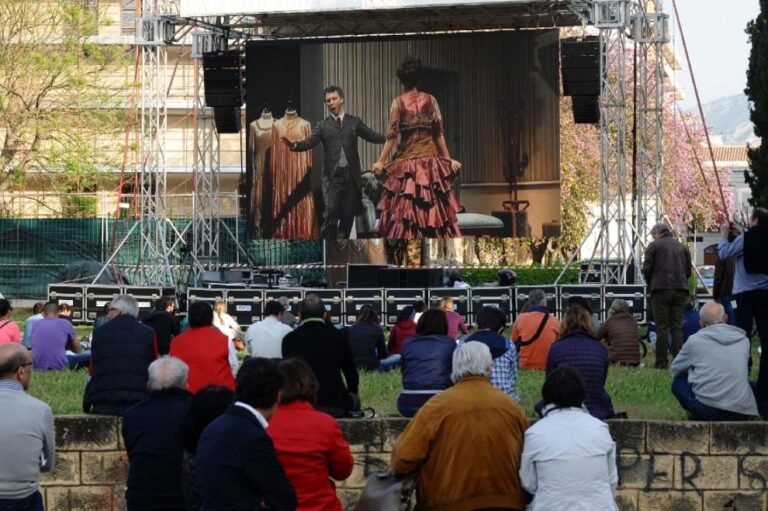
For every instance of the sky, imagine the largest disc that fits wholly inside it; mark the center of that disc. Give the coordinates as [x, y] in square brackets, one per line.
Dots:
[718, 46]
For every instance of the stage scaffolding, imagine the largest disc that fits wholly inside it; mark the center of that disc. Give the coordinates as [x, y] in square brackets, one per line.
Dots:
[621, 235]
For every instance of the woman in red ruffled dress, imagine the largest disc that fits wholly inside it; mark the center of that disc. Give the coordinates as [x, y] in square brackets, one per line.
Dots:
[418, 199]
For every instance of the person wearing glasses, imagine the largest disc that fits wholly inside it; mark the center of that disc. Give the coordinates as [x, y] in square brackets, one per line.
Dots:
[26, 435]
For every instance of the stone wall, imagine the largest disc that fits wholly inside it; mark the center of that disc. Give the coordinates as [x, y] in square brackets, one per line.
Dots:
[670, 466]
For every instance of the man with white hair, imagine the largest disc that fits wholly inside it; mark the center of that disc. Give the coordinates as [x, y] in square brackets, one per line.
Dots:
[465, 443]
[121, 352]
[711, 371]
[151, 437]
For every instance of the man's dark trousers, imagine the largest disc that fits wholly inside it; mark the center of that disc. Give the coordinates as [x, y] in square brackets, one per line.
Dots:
[667, 306]
[342, 202]
[683, 391]
[754, 305]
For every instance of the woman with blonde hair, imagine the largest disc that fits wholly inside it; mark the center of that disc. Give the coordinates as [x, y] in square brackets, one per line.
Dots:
[578, 347]
[455, 321]
[619, 332]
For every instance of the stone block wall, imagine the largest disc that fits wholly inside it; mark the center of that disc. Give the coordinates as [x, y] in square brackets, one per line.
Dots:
[669, 466]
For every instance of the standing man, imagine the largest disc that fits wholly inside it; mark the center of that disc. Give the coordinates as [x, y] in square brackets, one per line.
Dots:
[666, 269]
[750, 288]
[342, 188]
[27, 444]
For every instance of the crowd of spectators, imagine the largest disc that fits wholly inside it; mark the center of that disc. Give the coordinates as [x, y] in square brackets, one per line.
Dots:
[205, 431]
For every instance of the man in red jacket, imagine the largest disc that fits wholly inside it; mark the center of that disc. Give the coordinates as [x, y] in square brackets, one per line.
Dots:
[210, 355]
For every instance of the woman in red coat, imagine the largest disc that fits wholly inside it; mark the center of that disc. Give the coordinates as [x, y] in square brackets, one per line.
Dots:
[309, 444]
[403, 328]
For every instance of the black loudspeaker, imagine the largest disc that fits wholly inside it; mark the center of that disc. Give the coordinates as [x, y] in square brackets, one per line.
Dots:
[227, 119]
[223, 76]
[364, 275]
[520, 220]
[423, 277]
[580, 68]
[389, 278]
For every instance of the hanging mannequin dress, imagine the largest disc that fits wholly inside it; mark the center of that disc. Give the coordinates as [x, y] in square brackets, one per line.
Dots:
[418, 199]
[293, 206]
[261, 142]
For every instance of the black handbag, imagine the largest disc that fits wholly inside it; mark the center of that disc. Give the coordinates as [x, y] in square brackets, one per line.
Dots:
[384, 491]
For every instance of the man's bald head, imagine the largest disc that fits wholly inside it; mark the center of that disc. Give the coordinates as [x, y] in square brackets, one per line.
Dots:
[12, 356]
[712, 314]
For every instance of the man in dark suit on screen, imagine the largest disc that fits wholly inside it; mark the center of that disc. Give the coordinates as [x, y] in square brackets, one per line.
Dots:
[342, 188]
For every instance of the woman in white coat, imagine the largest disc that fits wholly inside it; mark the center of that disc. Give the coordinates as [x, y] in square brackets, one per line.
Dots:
[569, 457]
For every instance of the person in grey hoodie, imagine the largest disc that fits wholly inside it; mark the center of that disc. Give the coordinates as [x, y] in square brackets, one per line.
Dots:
[711, 372]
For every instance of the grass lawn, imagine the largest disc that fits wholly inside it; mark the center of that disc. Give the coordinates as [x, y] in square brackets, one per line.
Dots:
[643, 393]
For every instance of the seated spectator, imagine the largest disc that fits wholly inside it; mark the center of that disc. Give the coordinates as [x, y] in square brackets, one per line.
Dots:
[691, 320]
[27, 445]
[419, 308]
[711, 374]
[404, 328]
[288, 317]
[37, 315]
[621, 335]
[578, 347]
[491, 322]
[587, 305]
[226, 324]
[455, 321]
[569, 457]
[151, 437]
[425, 362]
[366, 339]
[9, 330]
[312, 456]
[534, 332]
[265, 338]
[65, 311]
[237, 467]
[103, 317]
[205, 406]
[465, 443]
[52, 338]
[327, 351]
[210, 355]
[164, 323]
[121, 352]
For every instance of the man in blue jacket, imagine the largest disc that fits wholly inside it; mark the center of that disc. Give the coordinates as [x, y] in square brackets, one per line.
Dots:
[237, 466]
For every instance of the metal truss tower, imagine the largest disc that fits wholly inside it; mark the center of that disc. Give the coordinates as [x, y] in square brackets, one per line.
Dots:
[206, 161]
[650, 33]
[152, 33]
[611, 17]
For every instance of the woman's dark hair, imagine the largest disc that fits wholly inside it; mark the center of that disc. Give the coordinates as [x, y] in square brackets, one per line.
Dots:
[200, 314]
[564, 388]
[37, 308]
[300, 382]
[409, 72]
[368, 315]
[258, 383]
[761, 215]
[205, 406]
[432, 322]
[581, 302]
[420, 306]
[5, 307]
[491, 318]
[405, 313]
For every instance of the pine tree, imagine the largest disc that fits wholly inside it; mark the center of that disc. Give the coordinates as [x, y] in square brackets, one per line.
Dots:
[757, 91]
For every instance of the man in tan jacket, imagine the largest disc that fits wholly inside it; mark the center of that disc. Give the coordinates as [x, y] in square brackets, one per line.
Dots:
[466, 442]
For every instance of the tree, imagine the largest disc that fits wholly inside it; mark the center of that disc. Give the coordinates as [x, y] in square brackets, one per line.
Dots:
[757, 92]
[58, 112]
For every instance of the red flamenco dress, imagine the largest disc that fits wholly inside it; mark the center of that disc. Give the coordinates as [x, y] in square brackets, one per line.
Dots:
[418, 199]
